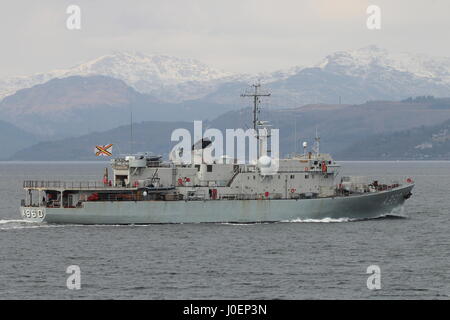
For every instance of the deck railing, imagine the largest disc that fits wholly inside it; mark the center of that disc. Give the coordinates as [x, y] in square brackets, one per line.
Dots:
[66, 184]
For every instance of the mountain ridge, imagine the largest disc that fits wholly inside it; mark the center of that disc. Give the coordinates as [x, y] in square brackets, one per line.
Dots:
[13, 139]
[173, 79]
[73, 105]
[340, 127]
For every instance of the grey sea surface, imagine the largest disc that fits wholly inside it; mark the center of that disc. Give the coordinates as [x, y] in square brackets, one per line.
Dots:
[325, 259]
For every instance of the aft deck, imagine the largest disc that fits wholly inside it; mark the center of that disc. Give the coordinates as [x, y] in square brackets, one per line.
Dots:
[42, 185]
[72, 194]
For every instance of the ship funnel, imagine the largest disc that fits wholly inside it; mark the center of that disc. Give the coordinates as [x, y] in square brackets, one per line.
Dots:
[202, 144]
[198, 149]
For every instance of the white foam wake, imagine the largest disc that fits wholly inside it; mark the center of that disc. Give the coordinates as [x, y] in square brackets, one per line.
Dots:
[324, 220]
[10, 224]
[14, 221]
[243, 223]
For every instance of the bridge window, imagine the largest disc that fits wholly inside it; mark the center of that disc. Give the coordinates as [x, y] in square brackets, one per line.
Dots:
[209, 168]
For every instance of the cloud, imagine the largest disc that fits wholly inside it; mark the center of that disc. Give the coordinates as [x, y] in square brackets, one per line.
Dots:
[237, 35]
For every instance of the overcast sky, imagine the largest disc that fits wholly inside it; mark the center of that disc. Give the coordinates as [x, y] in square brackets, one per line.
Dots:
[233, 35]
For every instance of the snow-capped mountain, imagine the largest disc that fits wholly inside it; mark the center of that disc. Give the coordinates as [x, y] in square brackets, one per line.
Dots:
[364, 61]
[165, 77]
[369, 73]
[352, 77]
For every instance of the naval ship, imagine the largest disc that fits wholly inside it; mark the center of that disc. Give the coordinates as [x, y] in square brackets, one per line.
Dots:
[145, 189]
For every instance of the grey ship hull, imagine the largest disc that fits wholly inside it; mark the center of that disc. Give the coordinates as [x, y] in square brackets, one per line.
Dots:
[365, 206]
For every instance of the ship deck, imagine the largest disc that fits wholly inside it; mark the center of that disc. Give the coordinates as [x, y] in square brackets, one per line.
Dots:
[73, 186]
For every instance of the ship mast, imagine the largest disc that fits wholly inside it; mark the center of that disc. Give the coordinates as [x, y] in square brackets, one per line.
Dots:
[261, 141]
[256, 104]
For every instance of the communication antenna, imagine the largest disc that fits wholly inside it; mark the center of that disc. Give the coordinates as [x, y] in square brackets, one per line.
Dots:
[317, 143]
[131, 130]
[295, 136]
